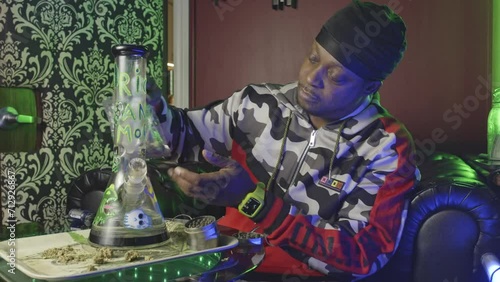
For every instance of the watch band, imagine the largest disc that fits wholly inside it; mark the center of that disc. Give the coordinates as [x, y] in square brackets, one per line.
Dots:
[254, 201]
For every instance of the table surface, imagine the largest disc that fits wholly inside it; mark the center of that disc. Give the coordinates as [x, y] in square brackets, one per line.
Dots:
[232, 264]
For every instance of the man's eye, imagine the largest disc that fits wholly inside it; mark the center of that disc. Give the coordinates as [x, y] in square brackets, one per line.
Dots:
[334, 77]
[313, 59]
[336, 80]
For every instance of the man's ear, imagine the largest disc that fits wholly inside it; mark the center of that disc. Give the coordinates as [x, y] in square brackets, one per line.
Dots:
[372, 87]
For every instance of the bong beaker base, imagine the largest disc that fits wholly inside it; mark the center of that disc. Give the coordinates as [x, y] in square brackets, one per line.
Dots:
[107, 237]
[129, 215]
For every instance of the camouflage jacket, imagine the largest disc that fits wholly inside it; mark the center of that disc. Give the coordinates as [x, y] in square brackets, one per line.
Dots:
[347, 218]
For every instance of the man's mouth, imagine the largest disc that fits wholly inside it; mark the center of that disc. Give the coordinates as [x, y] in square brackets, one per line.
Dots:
[307, 93]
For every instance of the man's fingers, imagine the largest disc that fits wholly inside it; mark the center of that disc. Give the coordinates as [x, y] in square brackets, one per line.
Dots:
[183, 184]
[204, 186]
[217, 159]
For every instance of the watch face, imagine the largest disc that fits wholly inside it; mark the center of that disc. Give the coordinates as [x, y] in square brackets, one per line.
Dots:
[250, 206]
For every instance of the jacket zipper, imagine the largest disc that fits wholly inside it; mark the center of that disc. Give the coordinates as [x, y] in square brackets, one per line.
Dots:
[312, 142]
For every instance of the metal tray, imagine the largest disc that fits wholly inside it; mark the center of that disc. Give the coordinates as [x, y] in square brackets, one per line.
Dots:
[28, 255]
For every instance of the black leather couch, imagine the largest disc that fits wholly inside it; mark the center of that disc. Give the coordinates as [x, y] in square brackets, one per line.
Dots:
[453, 219]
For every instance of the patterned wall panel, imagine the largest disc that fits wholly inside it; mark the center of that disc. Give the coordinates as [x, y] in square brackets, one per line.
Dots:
[63, 48]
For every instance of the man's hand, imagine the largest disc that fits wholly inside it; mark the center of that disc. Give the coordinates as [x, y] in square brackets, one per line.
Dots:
[153, 92]
[155, 99]
[225, 187]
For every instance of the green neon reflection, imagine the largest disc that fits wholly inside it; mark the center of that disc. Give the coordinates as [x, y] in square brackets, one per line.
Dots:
[166, 271]
[495, 48]
[494, 114]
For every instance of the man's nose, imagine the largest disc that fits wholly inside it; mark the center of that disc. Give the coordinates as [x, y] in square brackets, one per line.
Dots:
[314, 77]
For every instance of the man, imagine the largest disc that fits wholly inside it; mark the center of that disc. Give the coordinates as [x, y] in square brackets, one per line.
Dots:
[318, 166]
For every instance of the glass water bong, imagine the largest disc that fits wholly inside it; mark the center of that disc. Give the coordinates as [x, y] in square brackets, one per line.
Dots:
[129, 214]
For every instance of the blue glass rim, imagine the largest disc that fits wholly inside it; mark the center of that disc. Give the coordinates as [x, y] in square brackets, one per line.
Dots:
[129, 50]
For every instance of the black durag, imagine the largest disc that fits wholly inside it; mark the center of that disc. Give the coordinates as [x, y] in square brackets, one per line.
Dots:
[367, 38]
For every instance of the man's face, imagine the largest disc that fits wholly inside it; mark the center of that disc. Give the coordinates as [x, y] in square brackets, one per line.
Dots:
[327, 90]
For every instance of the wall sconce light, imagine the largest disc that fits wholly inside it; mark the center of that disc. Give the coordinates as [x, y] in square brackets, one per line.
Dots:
[21, 128]
[279, 4]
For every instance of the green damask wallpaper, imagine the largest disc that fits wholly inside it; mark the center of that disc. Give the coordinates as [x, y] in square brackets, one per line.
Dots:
[63, 48]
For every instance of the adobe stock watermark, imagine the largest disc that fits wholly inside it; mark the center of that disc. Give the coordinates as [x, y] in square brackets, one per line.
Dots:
[372, 29]
[224, 6]
[11, 219]
[454, 116]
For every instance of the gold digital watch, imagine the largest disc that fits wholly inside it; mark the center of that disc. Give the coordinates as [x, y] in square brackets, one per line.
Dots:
[253, 202]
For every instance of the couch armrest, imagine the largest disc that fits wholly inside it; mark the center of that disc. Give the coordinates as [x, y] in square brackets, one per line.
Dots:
[449, 227]
[453, 219]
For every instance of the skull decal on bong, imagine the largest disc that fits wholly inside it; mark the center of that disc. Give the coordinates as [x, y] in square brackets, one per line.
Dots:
[137, 219]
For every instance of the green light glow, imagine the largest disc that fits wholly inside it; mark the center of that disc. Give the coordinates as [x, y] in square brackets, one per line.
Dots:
[494, 114]
[495, 48]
